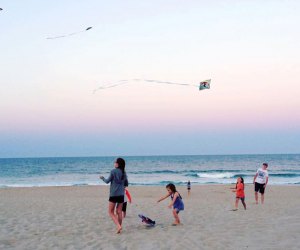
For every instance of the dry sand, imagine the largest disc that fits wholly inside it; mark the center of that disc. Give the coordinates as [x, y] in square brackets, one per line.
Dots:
[76, 218]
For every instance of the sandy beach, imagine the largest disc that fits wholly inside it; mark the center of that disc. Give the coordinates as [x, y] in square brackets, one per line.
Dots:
[76, 218]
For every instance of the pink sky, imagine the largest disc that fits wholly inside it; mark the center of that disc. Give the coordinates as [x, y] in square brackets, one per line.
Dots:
[248, 48]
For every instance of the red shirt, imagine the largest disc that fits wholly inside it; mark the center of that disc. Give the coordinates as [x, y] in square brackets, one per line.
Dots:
[240, 190]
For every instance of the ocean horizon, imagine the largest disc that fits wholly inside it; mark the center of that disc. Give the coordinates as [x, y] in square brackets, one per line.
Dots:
[284, 169]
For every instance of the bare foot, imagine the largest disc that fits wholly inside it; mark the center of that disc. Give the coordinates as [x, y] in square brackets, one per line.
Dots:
[119, 229]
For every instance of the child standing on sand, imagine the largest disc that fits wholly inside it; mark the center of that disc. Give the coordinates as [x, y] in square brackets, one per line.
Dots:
[240, 194]
[260, 182]
[176, 202]
[189, 187]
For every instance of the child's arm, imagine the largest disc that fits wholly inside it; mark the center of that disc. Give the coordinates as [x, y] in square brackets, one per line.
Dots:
[255, 178]
[164, 197]
[267, 179]
[173, 200]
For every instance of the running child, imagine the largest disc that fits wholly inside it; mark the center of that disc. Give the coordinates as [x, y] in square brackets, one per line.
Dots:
[176, 202]
[240, 194]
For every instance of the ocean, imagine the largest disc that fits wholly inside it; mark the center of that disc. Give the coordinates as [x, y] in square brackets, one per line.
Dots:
[284, 169]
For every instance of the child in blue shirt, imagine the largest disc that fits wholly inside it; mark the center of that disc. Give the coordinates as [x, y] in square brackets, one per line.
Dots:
[176, 202]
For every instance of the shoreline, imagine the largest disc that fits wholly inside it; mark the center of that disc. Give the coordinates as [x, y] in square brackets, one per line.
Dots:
[136, 185]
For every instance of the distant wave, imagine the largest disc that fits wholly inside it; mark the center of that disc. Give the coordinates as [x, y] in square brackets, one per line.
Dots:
[190, 171]
[156, 172]
[217, 175]
[291, 175]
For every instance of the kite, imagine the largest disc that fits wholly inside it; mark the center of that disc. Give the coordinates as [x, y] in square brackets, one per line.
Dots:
[205, 84]
[71, 34]
[147, 220]
[202, 85]
[1, 9]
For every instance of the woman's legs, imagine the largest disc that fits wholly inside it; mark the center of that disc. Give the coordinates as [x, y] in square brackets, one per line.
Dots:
[111, 212]
[119, 213]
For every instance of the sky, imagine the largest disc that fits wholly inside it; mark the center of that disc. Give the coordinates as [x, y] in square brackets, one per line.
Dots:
[250, 50]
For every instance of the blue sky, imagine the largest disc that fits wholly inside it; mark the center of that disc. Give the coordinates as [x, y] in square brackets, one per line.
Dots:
[248, 48]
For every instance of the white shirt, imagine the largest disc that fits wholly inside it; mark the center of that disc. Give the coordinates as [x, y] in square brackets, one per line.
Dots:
[261, 176]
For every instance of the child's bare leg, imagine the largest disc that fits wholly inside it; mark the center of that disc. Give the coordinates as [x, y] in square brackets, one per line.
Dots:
[256, 197]
[111, 212]
[177, 220]
[236, 203]
[262, 198]
[244, 204]
[124, 214]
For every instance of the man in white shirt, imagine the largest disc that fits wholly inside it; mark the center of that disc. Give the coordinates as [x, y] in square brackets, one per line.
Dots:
[260, 182]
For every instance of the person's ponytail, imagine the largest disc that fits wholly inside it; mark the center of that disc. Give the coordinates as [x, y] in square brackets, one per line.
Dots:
[121, 166]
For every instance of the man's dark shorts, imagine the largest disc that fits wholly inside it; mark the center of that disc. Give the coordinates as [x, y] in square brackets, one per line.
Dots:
[259, 187]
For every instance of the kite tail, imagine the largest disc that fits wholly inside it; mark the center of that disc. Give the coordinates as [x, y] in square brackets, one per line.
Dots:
[75, 33]
[71, 34]
[110, 85]
[175, 83]
[121, 82]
